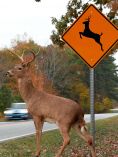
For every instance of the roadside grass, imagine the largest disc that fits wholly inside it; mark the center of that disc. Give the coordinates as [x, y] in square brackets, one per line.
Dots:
[106, 143]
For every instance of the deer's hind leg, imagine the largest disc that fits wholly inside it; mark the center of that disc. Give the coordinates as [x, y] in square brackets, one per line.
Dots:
[38, 126]
[98, 41]
[80, 33]
[101, 46]
[64, 130]
[85, 135]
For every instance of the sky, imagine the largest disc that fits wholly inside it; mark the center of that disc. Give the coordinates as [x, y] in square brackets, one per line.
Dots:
[24, 19]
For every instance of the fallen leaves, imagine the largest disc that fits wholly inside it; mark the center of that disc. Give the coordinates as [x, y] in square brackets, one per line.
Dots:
[106, 143]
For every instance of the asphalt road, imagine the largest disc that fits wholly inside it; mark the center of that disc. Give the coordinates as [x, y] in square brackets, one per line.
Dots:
[13, 130]
[17, 129]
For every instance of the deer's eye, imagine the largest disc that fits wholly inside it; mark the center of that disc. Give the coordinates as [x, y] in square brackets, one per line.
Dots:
[19, 68]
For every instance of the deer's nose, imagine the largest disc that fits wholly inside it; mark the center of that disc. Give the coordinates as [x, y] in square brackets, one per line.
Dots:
[8, 74]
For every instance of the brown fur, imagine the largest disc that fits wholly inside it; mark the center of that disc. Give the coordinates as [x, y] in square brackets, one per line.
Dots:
[47, 107]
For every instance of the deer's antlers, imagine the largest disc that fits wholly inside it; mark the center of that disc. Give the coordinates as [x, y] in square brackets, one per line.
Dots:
[89, 17]
[22, 56]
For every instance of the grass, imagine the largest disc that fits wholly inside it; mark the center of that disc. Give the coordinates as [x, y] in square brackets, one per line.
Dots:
[106, 143]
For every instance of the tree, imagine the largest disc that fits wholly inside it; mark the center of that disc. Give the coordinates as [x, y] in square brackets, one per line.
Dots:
[6, 98]
[106, 78]
[53, 64]
[61, 70]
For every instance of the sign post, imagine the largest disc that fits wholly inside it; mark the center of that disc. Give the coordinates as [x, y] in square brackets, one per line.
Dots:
[91, 36]
[92, 105]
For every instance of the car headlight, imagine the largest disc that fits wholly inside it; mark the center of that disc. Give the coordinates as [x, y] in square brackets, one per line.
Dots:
[8, 112]
[24, 112]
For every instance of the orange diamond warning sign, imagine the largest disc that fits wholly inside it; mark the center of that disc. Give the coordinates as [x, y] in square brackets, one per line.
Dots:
[91, 36]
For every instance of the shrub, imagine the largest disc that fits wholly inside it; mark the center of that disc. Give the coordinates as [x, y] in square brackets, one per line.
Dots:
[103, 106]
[107, 103]
[99, 107]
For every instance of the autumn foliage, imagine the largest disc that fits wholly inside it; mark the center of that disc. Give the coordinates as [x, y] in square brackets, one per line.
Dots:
[61, 72]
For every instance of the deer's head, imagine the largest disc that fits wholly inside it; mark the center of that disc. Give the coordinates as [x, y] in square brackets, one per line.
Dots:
[20, 70]
[87, 20]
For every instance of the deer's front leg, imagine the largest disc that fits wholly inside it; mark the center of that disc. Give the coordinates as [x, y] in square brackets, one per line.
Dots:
[64, 130]
[38, 125]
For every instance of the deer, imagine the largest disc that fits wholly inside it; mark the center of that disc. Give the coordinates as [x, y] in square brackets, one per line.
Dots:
[45, 107]
[89, 34]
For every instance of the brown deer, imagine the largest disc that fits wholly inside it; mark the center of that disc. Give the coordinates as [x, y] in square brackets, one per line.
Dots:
[46, 107]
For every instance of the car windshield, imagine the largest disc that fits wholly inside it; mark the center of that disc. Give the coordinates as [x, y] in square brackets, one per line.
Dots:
[18, 106]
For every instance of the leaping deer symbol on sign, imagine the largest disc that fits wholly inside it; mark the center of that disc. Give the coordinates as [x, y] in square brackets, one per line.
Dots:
[90, 34]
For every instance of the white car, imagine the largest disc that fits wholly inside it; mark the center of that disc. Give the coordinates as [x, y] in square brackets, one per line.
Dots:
[17, 111]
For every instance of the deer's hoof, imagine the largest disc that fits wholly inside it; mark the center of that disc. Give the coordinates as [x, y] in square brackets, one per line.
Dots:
[37, 156]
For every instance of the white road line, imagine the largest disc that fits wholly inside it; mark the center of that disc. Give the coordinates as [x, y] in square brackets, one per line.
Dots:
[14, 137]
[24, 135]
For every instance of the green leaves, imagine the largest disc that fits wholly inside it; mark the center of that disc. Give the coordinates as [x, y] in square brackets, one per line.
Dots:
[6, 98]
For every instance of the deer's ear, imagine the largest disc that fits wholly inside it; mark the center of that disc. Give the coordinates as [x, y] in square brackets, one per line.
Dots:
[24, 65]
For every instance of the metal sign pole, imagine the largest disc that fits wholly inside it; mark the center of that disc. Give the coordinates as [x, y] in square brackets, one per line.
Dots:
[92, 105]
